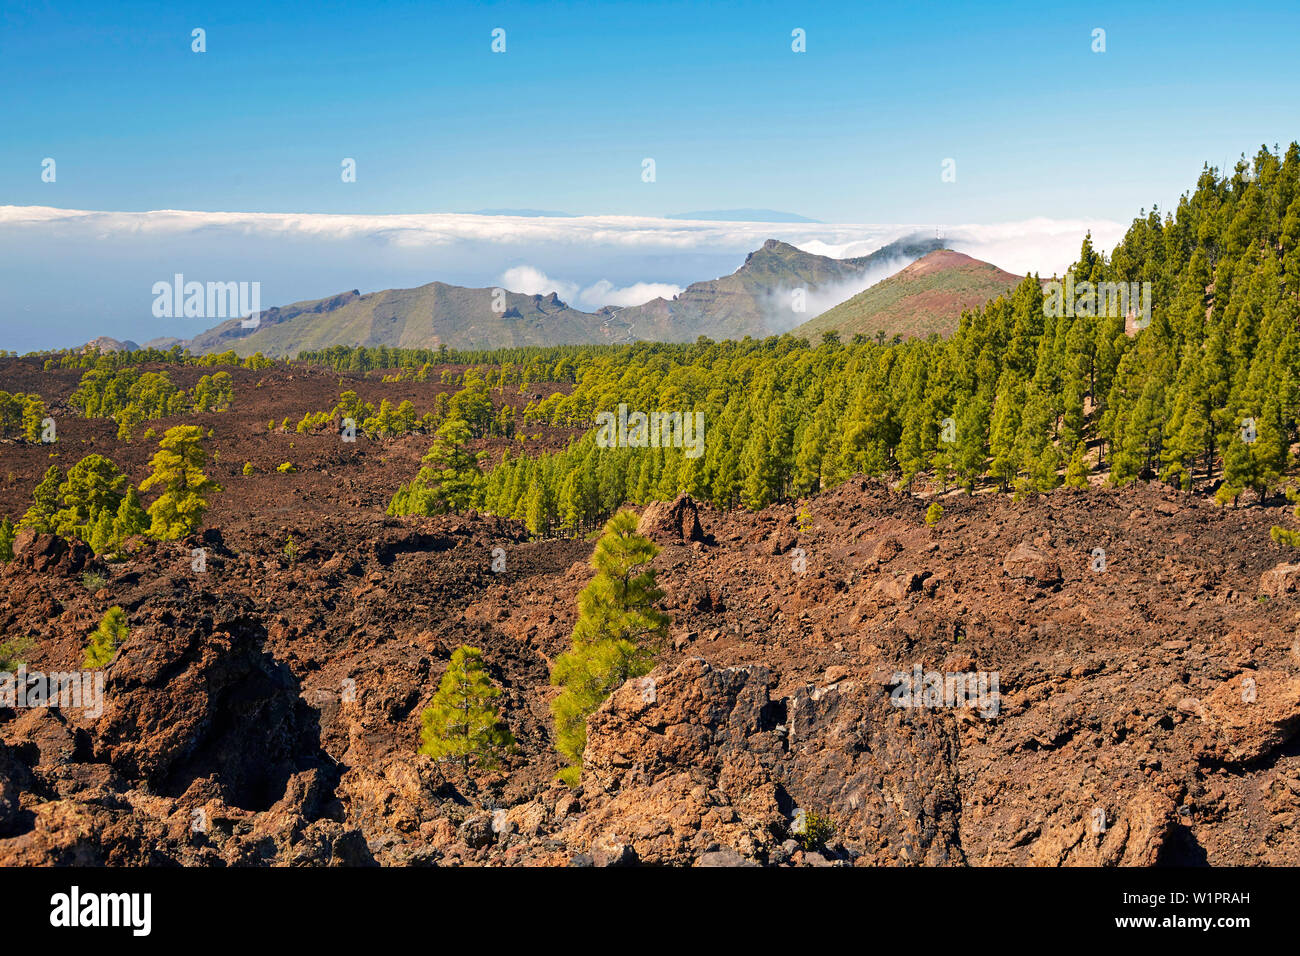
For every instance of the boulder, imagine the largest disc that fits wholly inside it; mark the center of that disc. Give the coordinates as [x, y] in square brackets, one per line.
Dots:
[1028, 563]
[610, 851]
[678, 520]
[477, 832]
[1253, 714]
[886, 549]
[13, 776]
[889, 588]
[1136, 833]
[50, 553]
[724, 857]
[1280, 581]
[187, 699]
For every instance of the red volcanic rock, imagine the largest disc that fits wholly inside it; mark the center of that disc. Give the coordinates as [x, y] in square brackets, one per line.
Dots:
[1280, 581]
[677, 520]
[1029, 563]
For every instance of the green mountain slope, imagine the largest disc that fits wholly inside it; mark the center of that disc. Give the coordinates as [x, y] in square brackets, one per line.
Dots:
[928, 296]
[425, 317]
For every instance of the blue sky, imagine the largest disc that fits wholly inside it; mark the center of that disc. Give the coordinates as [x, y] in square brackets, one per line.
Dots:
[1048, 138]
[853, 130]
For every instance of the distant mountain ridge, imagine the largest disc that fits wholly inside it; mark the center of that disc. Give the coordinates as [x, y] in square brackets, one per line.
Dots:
[425, 317]
[926, 297]
[105, 344]
[754, 300]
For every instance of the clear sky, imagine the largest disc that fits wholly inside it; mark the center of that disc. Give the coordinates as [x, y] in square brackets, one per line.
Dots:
[1046, 138]
[853, 130]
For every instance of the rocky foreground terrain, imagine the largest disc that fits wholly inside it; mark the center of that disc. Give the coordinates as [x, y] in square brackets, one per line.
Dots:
[266, 711]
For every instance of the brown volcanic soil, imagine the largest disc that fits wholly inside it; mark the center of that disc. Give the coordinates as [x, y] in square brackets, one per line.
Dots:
[282, 698]
[363, 473]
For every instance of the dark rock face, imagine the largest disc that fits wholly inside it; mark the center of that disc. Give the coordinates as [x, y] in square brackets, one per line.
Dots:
[886, 776]
[48, 553]
[691, 756]
[13, 777]
[188, 702]
[205, 752]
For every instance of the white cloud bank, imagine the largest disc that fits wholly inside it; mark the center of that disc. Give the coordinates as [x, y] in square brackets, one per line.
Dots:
[68, 275]
[530, 280]
[1043, 245]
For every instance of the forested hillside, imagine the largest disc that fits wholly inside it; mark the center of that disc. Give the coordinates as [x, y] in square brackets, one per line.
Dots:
[1018, 399]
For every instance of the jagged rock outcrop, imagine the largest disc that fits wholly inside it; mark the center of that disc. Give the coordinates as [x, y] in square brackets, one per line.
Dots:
[48, 553]
[204, 752]
[191, 699]
[692, 760]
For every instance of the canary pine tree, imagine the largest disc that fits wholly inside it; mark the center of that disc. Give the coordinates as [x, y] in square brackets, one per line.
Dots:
[92, 488]
[106, 638]
[34, 415]
[45, 502]
[132, 519]
[1077, 471]
[461, 722]
[614, 640]
[178, 474]
[449, 479]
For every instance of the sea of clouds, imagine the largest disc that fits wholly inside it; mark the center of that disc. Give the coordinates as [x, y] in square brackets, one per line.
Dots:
[69, 275]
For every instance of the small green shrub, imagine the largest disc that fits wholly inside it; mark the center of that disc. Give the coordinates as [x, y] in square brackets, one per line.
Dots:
[106, 638]
[933, 514]
[1285, 537]
[6, 539]
[13, 653]
[817, 829]
[93, 581]
[571, 777]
